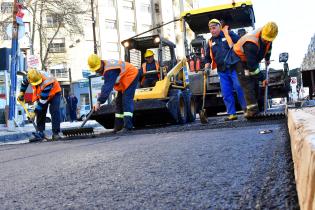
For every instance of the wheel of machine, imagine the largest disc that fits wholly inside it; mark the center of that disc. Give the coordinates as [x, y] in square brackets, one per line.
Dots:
[177, 106]
[191, 107]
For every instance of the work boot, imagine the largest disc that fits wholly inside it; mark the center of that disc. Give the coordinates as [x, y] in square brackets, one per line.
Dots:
[251, 111]
[124, 131]
[119, 124]
[38, 136]
[56, 137]
[231, 117]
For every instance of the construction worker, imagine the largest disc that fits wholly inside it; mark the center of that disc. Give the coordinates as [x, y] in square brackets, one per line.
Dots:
[123, 77]
[251, 49]
[46, 90]
[149, 65]
[219, 55]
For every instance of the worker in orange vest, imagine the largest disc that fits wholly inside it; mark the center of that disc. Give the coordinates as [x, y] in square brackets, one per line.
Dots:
[123, 77]
[150, 65]
[251, 49]
[219, 55]
[46, 91]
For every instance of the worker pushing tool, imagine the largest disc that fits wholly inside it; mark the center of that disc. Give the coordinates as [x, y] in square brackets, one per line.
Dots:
[123, 77]
[218, 54]
[149, 65]
[46, 90]
[251, 49]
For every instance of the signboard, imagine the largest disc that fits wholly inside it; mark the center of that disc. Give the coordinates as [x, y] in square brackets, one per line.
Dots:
[32, 61]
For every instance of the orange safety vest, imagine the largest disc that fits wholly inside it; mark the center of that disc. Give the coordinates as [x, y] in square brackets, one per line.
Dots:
[228, 39]
[39, 88]
[127, 73]
[144, 69]
[254, 38]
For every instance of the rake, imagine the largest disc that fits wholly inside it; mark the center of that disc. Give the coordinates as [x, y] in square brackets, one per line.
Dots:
[80, 131]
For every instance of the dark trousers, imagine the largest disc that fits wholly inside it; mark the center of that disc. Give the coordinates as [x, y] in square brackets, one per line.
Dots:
[73, 114]
[54, 112]
[249, 84]
[125, 105]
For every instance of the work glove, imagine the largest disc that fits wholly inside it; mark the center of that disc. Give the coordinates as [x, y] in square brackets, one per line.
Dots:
[97, 106]
[21, 97]
[32, 116]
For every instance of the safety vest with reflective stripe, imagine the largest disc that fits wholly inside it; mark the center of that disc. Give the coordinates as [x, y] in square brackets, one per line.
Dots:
[144, 70]
[228, 39]
[127, 73]
[45, 82]
[253, 38]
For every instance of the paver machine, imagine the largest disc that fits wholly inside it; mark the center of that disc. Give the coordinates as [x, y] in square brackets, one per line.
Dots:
[169, 100]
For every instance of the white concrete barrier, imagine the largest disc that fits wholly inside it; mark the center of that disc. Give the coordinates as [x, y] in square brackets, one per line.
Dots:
[301, 124]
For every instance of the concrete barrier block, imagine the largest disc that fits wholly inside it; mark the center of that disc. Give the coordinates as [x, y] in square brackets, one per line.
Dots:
[301, 124]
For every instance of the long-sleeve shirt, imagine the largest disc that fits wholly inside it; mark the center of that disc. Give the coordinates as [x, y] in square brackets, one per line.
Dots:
[255, 55]
[220, 48]
[110, 78]
[43, 97]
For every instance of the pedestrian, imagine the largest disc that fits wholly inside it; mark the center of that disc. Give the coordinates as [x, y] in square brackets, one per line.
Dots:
[46, 91]
[219, 55]
[72, 101]
[123, 77]
[252, 48]
[63, 106]
[150, 65]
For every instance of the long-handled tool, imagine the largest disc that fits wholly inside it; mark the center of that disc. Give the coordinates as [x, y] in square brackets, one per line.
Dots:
[266, 91]
[203, 111]
[28, 114]
[81, 130]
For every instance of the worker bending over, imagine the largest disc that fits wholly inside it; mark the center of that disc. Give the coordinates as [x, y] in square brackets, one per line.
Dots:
[46, 91]
[123, 77]
[251, 49]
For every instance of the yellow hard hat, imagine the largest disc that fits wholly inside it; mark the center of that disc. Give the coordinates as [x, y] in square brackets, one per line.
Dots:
[34, 77]
[269, 31]
[94, 62]
[148, 53]
[216, 21]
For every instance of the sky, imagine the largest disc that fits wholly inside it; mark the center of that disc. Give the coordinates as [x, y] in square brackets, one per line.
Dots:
[296, 23]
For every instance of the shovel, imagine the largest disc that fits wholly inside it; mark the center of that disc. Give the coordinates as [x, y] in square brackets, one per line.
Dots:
[266, 91]
[28, 114]
[203, 111]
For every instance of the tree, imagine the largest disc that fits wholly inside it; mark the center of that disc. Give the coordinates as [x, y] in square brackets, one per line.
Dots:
[53, 19]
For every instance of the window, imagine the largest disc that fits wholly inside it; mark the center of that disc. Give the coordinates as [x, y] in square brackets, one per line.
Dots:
[57, 46]
[166, 55]
[135, 58]
[111, 46]
[6, 7]
[131, 27]
[146, 8]
[3, 31]
[111, 24]
[60, 73]
[128, 4]
[53, 20]
[110, 3]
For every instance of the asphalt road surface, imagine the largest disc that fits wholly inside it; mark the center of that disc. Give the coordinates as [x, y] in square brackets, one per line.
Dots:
[218, 166]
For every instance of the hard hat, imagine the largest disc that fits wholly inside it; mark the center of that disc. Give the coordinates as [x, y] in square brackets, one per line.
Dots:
[269, 31]
[94, 62]
[148, 53]
[215, 21]
[34, 77]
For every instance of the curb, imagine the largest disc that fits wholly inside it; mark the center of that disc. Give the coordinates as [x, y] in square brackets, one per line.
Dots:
[301, 125]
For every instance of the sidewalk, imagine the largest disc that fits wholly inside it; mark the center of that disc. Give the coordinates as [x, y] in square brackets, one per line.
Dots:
[22, 134]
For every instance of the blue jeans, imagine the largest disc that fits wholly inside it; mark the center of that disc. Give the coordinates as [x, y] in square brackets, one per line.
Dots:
[54, 112]
[229, 82]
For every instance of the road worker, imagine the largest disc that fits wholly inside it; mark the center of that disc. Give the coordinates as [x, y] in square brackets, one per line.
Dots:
[123, 77]
[149, 65]
[251, 49]
[219, 55]
[46, 91]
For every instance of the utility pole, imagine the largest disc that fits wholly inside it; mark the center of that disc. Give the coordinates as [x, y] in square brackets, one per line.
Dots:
[13, 65]
[93, 25]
